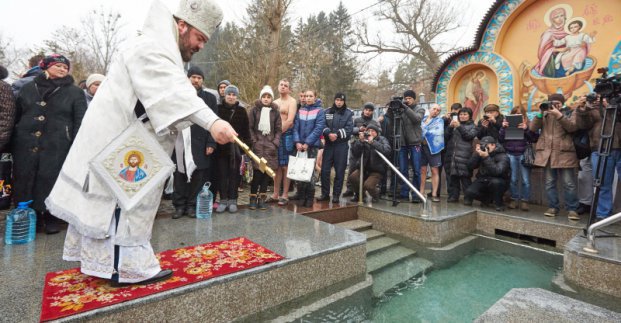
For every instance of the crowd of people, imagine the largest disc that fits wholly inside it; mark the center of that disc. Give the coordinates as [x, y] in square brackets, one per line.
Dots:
[53, 129]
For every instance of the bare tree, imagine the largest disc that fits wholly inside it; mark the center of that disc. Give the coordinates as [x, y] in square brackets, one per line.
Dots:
[70, 42]
[11, 56]
[419, 26]
[273, 19]
[103, 37]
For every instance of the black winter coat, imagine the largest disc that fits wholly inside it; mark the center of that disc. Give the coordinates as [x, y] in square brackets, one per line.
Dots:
[496, 165]
[372, 162]
[201, 138]
[459, 148]
[43, 135]
[338, 121]
[492, 130]
[237, 116]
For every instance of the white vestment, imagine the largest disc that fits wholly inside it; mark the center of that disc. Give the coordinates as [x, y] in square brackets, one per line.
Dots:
[150, 69]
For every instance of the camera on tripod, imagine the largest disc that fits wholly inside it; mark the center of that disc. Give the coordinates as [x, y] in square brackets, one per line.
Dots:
[396, 104]
[607, 87]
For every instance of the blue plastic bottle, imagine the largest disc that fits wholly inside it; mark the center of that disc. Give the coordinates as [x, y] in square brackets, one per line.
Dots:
[21, 224]
[204, 202]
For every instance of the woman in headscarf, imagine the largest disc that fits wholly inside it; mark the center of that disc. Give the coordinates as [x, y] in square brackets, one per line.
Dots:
[49, 112]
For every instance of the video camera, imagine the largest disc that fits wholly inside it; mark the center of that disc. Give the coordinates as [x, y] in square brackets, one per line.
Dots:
[607, 87]
[396, 104]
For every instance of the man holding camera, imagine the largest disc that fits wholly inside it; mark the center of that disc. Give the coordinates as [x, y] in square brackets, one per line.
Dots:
[556, 152]
[411, 139]
[374, 167]
[491, 182]
[589, 117]
[360, 125]
[491, 122]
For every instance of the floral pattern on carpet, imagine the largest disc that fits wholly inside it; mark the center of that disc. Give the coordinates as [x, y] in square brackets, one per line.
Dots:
[70, 292]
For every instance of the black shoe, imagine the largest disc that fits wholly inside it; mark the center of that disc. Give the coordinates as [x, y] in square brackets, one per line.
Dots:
[348, 193]
[162, 275]
[336, 199]
[452, 200]
[467, 202]
[354, 198]
[52, 227]
[191, 212]
[308, 203]
[323, 198]
[500, 208]
[178, 213]
[583, 209]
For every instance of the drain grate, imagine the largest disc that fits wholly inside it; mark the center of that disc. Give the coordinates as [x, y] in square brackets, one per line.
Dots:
[525, 237]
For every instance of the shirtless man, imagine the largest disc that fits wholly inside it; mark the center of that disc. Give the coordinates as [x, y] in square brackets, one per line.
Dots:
[288, 108]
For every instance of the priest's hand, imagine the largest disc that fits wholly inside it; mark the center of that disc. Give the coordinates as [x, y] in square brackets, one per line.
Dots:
[222, 132]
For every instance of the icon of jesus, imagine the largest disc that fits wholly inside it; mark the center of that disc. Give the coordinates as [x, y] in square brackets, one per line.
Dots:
[133, 173]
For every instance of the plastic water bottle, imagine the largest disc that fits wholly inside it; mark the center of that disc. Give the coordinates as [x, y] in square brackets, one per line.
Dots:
[21, 224]
[204, 202]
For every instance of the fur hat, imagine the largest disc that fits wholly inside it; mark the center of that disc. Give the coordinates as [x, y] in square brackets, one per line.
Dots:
[3, 72]
[368, 106]
[266, 89]
[231, 89]
[53, 59]
[195, 70]
[204, 15]
[94, 78]
[409, 93]
[340, 95]
[556, 97]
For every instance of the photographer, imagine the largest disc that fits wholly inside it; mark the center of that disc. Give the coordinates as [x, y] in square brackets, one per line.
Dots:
[461, 132]
[589, 117]
[360, 125]
[411, 139]
[491, 182]
[491, 122]
[556, 152]
[374, 167]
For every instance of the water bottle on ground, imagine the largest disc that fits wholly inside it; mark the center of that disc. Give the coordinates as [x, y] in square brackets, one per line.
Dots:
[204, 202]
[21, 224]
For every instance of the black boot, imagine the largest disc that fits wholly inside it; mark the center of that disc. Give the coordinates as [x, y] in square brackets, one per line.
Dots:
[52, 224]
[253, 202]
[261, 202]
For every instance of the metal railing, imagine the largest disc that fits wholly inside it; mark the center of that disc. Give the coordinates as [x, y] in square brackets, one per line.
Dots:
[590, 245]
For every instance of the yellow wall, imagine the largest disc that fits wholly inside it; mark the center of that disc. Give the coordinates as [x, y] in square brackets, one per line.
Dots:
[520, 36]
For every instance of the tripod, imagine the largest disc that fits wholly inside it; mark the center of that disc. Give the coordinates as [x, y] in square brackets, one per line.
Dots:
[396, 147]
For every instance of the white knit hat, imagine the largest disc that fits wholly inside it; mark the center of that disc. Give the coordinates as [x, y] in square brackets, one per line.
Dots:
[94, 78]
[266, 89]
[204, 15]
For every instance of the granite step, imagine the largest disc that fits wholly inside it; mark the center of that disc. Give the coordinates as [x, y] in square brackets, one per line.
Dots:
[356, 225]
[386, 257]
[373, 234]
[380, 244]
[399, 272]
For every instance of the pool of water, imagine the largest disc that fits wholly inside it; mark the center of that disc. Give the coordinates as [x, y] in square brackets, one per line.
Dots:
[463, 283]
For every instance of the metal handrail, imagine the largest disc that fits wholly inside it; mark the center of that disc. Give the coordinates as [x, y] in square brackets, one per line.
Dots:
[590, 246]
[403, 178]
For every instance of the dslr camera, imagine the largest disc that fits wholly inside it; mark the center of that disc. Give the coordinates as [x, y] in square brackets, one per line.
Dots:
[545, 106]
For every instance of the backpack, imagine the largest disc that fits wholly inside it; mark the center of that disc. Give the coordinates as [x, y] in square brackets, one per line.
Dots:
[582, 144]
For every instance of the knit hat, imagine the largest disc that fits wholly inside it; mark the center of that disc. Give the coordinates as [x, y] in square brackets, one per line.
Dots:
[369, 106]
[375, 127]
[266, 89]
[491, 108]
[409, 93]
[94, 78]
[195, 70]
[53, 60]
[3, 72]
[227, 82]
[487, 140]
[340, 95]
[231, 89]
[204, 15]
[556, 97]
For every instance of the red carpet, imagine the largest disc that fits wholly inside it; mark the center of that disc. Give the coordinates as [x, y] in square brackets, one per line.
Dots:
[70, 292]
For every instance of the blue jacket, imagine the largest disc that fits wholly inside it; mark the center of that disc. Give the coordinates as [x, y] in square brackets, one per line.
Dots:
[309, 124]
[338, 121]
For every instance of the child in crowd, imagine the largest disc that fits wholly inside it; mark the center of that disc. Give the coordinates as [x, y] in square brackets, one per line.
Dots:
[265, 130]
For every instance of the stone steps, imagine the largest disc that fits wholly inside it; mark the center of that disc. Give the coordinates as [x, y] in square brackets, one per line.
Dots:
[356, 225]
[397, 273]
[389, 256]
[380, 244]
[373, 234]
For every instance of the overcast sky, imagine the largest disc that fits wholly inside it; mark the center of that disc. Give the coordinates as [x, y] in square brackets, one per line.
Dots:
[29, 22]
